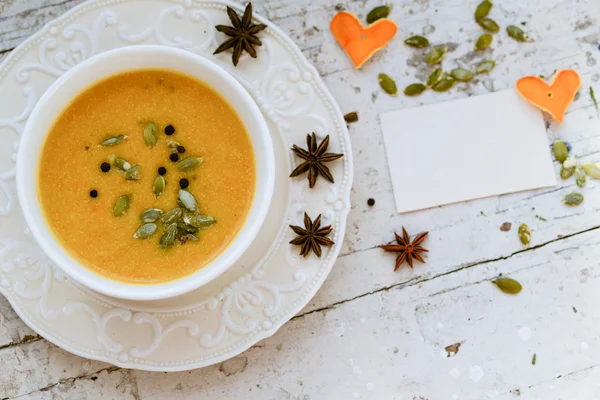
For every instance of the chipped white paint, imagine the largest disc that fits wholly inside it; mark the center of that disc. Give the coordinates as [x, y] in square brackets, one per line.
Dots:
[389, 321]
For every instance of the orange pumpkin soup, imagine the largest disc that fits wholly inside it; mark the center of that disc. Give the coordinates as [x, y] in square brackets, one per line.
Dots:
[188, 150]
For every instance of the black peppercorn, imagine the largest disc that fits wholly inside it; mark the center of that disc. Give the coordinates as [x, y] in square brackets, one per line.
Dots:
[174, 157]
[162, 171]
[105, 167]
[93, 193]
[184, 183]
[180, 149]
[169, 130]
[371, 202]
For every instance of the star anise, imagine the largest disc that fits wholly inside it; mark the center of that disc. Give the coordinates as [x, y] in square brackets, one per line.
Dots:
[312, 237]
[242, 33]
[315, 157]
[407, 249]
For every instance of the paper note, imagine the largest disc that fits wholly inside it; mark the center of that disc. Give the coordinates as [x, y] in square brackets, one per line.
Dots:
[466, 149]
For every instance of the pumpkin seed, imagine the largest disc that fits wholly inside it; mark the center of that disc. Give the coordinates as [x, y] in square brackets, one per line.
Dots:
[159, 186]
[485, 66]
[120, 163]
[122, 205]
[378, 13]
[573, 199]
[484, 41]
[172, 216]
[580, 177]
[188, 200]
[388, 85]
[187, 237]
[517, 34]
[436, 55]
[524, 234]
[483, 9]
[186, 227]
[189, 163]
[570, 162]
[418, 42]
[560, 150]
[508, 285]
[435, 77]
[133, 173]
[461, 74]
[151, 215]
[198, 220]
[145, 231]
[444, 85]
[592, 170]
[488, 24]
[415, 89]
[113, 140]
[151, 134]
[566, 173]
[168, 238]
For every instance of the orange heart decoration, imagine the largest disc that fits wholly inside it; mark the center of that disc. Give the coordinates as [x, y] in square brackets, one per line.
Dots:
[554, 98]
[359, 42]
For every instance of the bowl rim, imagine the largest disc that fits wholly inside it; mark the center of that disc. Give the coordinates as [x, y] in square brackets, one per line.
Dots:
[92, 279]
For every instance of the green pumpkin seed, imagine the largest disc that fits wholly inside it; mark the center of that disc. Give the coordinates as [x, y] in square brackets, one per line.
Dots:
[113, 140]
[133, 173]
[188, 200]
[566, 173]
[168, 238]
[508, 285]
[436, 55]
[573, 199]
[159, 186]
[418, 42]
[488, 24]
[415, 89]
[483, 9]
[189, 163]
[592, 170]
[145, 231]
[378, 13]
[560, 150]
[580, 177]
[122, 205]
[524, 234]
[485, 66]
[151, 134]
[570, 162]
[186, 227]
[119, 163]
[517, 34]
[484, 41]
[388, 85]
[172, 216]
[435, 77]
[461, 74]
[151, 215]
[444, 85]
[198, 221]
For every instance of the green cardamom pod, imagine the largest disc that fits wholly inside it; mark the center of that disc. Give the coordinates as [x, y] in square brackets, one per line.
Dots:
[122, 205]
[560, 150]
[415, 89]
[483, 9]
[378, 13]
[151, 134]
[524, 234]
[573, 199]
[159, 186]
[461, 74]
[444, 85]
[133, 173]
[145, 231]
[113, 140]
[508, 285]
[189, 163]
[172, 216]
[435, 77]
[388, 85]
[436, 55]
[486, 66]
[517, 34]
[418, 42]
[188, 200]
[151, 215]
[488, 24]
[168, 238]
[592, 170]
[484, 41]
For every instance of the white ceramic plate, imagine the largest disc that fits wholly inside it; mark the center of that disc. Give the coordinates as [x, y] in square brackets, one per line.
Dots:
[252, 299]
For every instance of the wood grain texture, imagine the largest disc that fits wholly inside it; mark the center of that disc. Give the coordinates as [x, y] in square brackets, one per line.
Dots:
[371, 333]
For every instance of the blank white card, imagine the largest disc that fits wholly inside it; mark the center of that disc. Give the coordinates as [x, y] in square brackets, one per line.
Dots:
[466, 149]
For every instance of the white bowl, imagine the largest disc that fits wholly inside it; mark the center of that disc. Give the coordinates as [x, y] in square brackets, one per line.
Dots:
[76, 80]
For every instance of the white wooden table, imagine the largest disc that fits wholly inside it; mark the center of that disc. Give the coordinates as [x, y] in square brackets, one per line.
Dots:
[371, 333]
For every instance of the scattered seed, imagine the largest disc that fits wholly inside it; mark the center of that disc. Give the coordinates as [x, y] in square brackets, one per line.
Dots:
[435, 77]
[184, 183]
[351, 117]
[174, 157]
[461, 74]
[133, 173]
[560, 150]
[524, 234]
[483, 9]
[122, 205]
[505, 227]
[188, 200]
[488, 24]
[105, 167]
[415, 89]
[573, 199]
[145, 231]
[168, 238]
[517, 34]
[388, 85]
[371, 202]
[189, 163]
[180, 149]
[378, 13]
[485, 66]
[592, 170]
[162, 171]
[436, 55]
[316, 29]
[197, 220]
[580, 177]
[566, 173]
[151, 215]
[159, 186]
[444, 85]
[113, 140]
[418, 42]
[484, 41]
[541, 218]
[151, 134]
[186, 227]
[93, 193]
[169, 130]
[534, 359]
[508, 285]
[120, 163]
[172, 216]
[593, 96]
